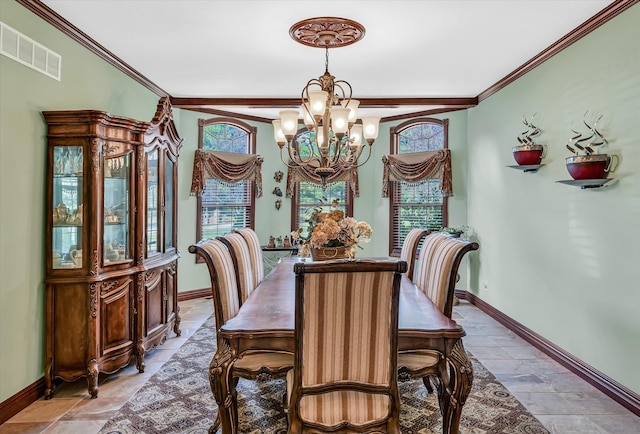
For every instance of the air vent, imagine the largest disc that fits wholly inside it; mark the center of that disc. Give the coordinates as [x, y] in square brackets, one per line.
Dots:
[20, 48]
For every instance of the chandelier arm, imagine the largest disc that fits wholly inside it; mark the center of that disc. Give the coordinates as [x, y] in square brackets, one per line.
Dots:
[338, 84]
[297, 162]
[355, 166]
[291, 166]
[297, 159]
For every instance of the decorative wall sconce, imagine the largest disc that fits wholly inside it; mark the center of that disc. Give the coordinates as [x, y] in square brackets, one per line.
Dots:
[587, 167]
[528, 154]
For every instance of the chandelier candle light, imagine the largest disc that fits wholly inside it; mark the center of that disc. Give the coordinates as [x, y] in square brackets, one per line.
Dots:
[335, 140]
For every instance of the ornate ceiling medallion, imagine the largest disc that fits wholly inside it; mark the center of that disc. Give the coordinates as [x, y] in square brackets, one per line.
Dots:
[327, 32]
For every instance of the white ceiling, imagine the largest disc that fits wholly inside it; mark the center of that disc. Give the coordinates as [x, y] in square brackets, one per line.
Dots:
[242, 48]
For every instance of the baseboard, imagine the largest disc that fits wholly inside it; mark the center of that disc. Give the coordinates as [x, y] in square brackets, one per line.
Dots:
[193, 294]
[600, 381]
[21, 400]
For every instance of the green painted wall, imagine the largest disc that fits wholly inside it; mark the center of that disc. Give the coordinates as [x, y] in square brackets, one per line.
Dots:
[560, 260]
[87, 83]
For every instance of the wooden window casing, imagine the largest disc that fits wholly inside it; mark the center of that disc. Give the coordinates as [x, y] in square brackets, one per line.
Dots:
[421, 205]
[222, 208]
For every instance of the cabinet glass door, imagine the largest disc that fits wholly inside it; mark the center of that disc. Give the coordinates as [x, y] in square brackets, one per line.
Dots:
[67, 207]
[153, 246]
[168, 206]
[116, 226]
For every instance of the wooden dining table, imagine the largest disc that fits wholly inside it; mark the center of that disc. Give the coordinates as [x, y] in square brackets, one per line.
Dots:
[266, 319]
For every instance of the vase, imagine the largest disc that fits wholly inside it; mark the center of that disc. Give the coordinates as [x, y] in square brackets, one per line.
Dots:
[328, 253]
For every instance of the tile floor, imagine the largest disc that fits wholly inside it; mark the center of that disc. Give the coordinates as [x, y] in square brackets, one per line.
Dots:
[559, 399]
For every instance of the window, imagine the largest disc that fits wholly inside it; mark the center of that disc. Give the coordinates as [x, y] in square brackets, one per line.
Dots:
[224, 207]
[308, 196]
[423, 204]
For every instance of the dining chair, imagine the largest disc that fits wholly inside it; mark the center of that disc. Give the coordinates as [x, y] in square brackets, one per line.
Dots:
[255, 250]
[436, 275]
[409, 251]
[242, 263]
[226, 304]
[344, 376]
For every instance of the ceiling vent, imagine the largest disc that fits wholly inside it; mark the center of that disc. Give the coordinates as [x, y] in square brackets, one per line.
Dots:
[20, 48]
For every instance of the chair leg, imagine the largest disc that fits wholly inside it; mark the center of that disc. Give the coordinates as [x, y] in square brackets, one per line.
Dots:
[427, 383]
[216, 424]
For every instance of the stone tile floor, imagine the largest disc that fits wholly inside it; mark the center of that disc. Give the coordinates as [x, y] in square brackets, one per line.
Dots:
[563, 402]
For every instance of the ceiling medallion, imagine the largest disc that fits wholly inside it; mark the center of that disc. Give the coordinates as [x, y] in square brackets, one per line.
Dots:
[327, 32]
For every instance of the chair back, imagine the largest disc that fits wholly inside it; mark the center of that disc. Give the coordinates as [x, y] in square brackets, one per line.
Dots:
[224, 287]
[255, 251]
[409, 250]
[346, 342]
[437, 268]
[243, 265]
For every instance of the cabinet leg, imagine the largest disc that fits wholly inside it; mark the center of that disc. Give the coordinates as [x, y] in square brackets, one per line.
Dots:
[92, 378]
[176, 324]
[48, 381]
[140, 357]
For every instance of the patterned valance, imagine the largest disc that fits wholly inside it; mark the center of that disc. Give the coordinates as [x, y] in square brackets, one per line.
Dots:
[416, 168]
[303, 173]
[226, 167]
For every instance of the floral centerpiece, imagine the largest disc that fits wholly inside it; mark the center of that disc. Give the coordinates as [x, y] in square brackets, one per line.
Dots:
[331, 235]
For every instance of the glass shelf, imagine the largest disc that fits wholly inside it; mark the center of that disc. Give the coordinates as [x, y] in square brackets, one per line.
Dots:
[587, 183]
[116, 246]
[67, 213]
[527, 167]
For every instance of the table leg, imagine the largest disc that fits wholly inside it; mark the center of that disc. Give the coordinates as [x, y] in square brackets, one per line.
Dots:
[223, 388]
[460, 387]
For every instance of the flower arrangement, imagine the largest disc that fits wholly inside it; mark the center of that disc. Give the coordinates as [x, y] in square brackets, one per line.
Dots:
[332, 229]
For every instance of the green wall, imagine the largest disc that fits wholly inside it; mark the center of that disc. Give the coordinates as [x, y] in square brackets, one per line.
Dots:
[87, 83]
[560, 260]
[565, 262]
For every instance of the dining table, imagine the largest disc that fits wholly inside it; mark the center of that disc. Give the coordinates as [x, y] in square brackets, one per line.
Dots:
[266, 320]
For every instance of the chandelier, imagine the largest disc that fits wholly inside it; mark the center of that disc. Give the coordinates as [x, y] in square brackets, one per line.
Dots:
[334, 142]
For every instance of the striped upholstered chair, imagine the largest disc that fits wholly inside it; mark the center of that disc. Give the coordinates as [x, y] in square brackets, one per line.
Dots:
[436, 275]
[243, 265]
[346, 338]
[226, 303]
[255, 251]
[409, 252]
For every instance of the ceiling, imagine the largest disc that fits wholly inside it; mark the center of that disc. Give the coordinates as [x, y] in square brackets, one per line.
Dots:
[237, 56]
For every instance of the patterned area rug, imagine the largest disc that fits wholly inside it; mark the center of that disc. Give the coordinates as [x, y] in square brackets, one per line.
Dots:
[178, 399]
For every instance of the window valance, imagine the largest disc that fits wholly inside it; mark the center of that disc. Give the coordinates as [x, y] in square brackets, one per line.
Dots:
[416, 168]
[300, 173]
[226, 167]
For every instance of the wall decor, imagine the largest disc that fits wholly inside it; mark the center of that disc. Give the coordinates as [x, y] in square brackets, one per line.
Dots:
[528, 154]
[278, 176]
[277, 192]
[278, 204]
[587, 167]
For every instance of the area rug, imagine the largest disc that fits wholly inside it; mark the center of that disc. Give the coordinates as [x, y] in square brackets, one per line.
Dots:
[178, 399]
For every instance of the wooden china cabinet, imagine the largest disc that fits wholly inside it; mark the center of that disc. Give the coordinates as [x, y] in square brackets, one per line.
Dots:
[111, 260]
[157, 282]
